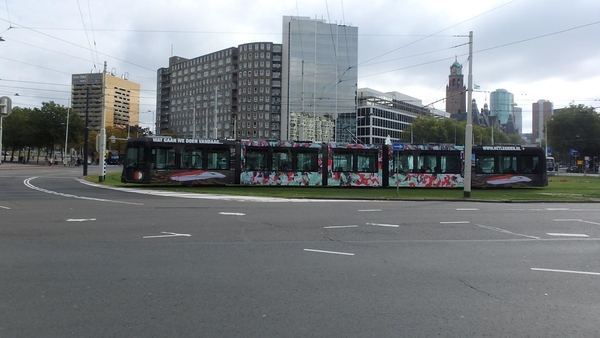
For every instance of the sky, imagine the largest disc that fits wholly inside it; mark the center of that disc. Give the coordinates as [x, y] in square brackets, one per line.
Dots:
[535, 49]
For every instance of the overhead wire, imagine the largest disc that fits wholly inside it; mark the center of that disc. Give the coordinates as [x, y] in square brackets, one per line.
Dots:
[93, 34]
[86, 34]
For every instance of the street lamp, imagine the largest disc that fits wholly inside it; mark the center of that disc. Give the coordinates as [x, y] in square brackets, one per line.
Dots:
[67, 131]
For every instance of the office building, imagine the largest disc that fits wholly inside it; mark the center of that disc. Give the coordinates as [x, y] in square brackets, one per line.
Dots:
[382, 115]
[117, 95]
[231, 93]
[541, 112]
[319, 79]
[517, 118]
[501, 103]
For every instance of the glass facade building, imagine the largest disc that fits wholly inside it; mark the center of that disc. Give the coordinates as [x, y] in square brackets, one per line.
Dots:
[501, 105]
[320, 78]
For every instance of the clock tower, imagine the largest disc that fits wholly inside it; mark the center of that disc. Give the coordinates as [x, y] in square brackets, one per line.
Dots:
[456, 92]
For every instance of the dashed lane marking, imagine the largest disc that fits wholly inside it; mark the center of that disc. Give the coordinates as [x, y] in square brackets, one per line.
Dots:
[566, 235]
[568, 271]
[330, 252]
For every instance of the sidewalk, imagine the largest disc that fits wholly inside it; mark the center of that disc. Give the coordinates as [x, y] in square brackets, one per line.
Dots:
[17, 165]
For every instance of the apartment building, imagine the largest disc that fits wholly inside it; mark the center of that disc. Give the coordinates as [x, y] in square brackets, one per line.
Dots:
[119, 97]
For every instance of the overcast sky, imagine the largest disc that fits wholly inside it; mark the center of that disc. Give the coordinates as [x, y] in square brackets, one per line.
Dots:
[535, 49]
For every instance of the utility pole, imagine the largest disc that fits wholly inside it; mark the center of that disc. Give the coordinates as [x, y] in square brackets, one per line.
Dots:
[469, 127]
[194, 122]
[215, 121]
[86, 132]
[102, 136]
[67, 131]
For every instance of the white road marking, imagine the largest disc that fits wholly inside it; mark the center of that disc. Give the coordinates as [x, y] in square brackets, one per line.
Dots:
[557, 209]
[330, 252]
[456, 222]
[566, 235]
[3, 207]
[504, 231]
[232, 213]
[80, 219]
[384, 225]
[467, 209]
[576, 220]
[568, 271]
[168, 234]
[340, 226]
[31, 186]
[370, 210]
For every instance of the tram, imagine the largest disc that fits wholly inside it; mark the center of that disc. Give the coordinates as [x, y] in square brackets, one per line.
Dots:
[165, 160]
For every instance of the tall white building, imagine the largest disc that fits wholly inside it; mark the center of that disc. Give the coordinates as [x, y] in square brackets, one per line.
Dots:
[319, 78]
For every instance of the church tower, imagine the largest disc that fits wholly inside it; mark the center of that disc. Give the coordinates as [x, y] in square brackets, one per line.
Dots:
[456, 92]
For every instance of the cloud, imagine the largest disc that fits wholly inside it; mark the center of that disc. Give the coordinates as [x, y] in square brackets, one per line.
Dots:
[536, 49]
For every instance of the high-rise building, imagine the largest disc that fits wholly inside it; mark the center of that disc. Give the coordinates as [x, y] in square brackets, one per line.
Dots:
[319, 79]
[265, 90]
[517, 119]
[501, 103]
[386, 115]
[117, 95]
[541, 112]
[231, 93]
[456, 93]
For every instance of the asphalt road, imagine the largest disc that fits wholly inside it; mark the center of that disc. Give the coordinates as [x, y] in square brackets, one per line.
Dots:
[86, 261]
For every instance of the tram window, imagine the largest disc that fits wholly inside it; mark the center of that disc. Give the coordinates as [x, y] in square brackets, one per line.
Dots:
[282, 160]
[163, 158]
[426, 163]
[218, 159]
[307, 161]
[343, 161]
[191, 159]
[530, 164]
[135, 158]
[403, 163]
[367, 161]
[485, 164]
[450, 164]
[255, 159]
[508, 164]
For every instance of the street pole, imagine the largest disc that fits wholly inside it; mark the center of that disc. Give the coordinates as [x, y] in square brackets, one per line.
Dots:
[215, 121]
[5, 110]
[86, 132]
[1, 152]
[67, 131]
[102, 138]
[469, 127]
[194, 122]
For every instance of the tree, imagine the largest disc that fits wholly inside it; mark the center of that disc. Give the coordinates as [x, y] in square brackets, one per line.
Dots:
[576, 127]
[16, 133]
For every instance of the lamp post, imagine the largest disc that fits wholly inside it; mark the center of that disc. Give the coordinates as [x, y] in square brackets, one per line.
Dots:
[194, 122]
[102, 136]
[469, 127]
[67, 132]
[5, 110]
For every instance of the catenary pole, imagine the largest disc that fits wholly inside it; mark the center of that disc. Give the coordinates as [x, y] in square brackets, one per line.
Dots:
[469, 127]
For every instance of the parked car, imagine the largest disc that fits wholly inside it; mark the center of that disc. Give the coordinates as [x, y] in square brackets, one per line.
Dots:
[573, 169]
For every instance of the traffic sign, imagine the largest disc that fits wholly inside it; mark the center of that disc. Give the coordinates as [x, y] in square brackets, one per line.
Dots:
[5, 106]
[398, 146]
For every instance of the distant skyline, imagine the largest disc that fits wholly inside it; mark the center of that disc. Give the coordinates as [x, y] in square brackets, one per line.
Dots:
[535, 49]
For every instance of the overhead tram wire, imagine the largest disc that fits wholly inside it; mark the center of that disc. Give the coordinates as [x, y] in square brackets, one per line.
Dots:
[79, 46]
[86, 34]
[538, 37]
[445, 29]
[93, 34]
